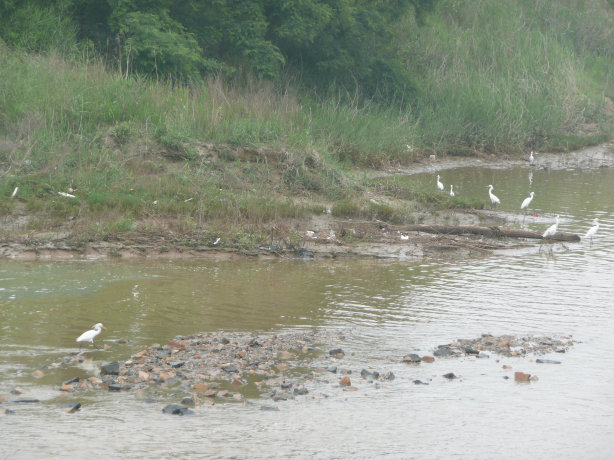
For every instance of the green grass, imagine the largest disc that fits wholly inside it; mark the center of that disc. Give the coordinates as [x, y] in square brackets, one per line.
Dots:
[490, 77]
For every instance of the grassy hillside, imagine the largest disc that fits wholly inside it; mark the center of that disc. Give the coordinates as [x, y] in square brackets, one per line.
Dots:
[492, 77]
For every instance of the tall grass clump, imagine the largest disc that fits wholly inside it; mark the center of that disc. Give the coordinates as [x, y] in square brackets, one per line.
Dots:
[504, 76]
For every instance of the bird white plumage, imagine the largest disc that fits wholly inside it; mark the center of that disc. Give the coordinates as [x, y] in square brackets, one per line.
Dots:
[452, 190]
[591, 231]
[493, 198]
[552, 229]
[527, 201]
[439, 184]
[531, 158]
[88, 336]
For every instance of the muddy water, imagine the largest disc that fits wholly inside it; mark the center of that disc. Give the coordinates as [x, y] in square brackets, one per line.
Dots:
[386, 309]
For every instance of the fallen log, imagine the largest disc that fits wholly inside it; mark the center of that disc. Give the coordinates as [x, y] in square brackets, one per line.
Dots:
[493, 232]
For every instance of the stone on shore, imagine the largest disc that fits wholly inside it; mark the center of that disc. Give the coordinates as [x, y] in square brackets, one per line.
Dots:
[521, 377]
[412, 358]
[110, 369]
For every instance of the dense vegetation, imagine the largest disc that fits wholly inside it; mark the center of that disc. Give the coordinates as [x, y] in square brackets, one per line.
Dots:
[229, 111]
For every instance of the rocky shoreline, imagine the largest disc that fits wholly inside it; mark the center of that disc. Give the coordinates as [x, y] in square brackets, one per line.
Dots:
[221, 367]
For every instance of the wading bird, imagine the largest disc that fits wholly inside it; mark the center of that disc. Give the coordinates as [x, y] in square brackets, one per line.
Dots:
[88, 336]
[552, 229]
[527, 201]
[439, 184]
[452, 191]
[591, 231]
[493, 198]
[531, 158]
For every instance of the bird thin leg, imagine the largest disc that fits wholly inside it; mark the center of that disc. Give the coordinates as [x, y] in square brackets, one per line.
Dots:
[96, 347]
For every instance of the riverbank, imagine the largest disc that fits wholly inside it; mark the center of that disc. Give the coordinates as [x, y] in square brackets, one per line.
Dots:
[324, 235]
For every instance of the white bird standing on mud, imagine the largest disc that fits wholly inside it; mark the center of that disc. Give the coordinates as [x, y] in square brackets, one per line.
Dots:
[531, 158]
[527, 201]
[452, 191]
[552, 229]
[493, 198]
[439, 184]
[591, 231]
[88, 336]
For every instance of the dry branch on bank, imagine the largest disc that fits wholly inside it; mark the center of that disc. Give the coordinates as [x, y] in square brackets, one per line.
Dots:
[493, 232]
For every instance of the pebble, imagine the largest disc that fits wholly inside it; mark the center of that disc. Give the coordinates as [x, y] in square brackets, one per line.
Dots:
[450, 375]
[411, 358]
[521, 377]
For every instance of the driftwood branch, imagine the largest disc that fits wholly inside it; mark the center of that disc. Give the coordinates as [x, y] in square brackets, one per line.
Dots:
[493, 232]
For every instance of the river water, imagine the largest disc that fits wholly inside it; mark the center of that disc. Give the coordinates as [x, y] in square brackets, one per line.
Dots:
[386, 309]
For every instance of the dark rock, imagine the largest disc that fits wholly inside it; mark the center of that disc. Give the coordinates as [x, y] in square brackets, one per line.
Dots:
[225, 341]
[300, 390]
[9, 412]
[110, 368]
[26, 401]
[176, 409]
[230, 368]
[254, 343]
[420, 382]
[560, 350]
[286, 385]
[177, 364]
[388, 376]
[450, 375]
[72, 407]
[337, 352]
[73, 380]
[16, 391]
[412, 358]
[443, 352]
[365, 373]
[471, 351]
[547, 361]
[304, 253]
[506, 377]
[270, 408]
[482, 356]
[163, 354]
[188, 401]
[332, 369]
[115, 387]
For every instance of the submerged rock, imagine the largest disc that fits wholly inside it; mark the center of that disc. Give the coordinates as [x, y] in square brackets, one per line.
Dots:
[177, 409]
[547, 361]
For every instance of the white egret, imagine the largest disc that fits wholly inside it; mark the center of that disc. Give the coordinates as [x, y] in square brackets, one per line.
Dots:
[552, 229]
[439, 184]
[531, 158]
[88, 336]
[527, 201]
[452, 191]
[493, 198]
[591, 231]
